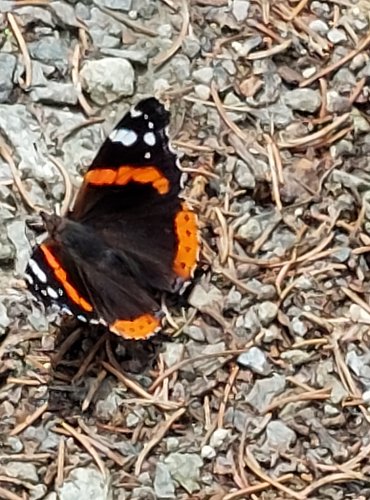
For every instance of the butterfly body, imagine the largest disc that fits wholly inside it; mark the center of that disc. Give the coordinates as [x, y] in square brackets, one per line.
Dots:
[129, 235]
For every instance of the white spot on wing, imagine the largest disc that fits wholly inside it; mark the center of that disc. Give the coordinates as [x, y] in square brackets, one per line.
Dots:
[66, 310]
[147, 155]
[135, 113]
[94, 321]
[37, 271]
[150, 125]
[125, 136]
[51, 292]
[149, 138]
[43, 292]
[82, 318]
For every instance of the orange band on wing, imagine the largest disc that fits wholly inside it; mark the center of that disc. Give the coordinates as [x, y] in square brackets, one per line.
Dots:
[138, 329]
[61, 276]
[125, 174]
[187, 236]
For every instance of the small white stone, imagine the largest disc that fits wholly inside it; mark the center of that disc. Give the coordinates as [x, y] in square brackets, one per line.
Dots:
[149, 138]
[208, 452]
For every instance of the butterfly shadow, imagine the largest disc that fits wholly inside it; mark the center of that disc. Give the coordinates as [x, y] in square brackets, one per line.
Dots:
[85, 356]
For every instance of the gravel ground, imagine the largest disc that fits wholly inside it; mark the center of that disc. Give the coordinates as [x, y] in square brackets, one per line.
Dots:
[259, 386]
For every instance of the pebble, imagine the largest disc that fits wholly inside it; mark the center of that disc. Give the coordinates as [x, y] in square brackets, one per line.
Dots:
[85, 483]
[279, 436]
[202, 91]
[8, 63]
[4, 318]
[55, 92]
[243, 175]
[124, 5]
[296, 357]
[104, 85]
[50, 50]
[203, 75]
[255, 360]
[25, 471]
[267, 312]
[306, 100]
[319, 26]
[208, 452]
[337, 103]
[194, 332]
[205, 296]
[299, 327]
[265, 390]
[219, 437]
[337, 35]
[164, 486]
[250, 231]
[173, 353]
[240, 9]
[185, 469]
[17, 234]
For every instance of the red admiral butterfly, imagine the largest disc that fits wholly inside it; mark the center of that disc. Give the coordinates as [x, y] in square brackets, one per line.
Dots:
[128, 237]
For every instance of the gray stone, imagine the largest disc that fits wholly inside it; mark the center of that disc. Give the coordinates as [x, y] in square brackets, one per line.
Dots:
[173, 354]
[296, 356]
[319, 26]
[208, 452]
[202, 91]
[17, 235]
[243, 175]
[264, 391]
[185, 469]
[299, 327]
[267, 312]
[194, 332]
[306, 100]
[106, 80]
[124, 5]
[204, 296]
[8, 63]
[191, 46]
[50, 50]
[240, 9]
[337, 35]
[203, 75]
[4, 318]
[85, 483]
[279, 436]
[55, 92]
[337, 103]
[219, 437]
[255, 360]
[250, 231]
[163, 484]
[39, 491]
[246, 46]
[25, 471]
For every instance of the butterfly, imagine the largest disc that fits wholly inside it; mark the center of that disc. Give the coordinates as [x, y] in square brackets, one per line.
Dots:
[128, 237]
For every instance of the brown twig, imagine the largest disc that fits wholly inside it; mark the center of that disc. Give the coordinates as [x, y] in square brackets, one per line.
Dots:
[159, 434]
[23, 48]
[29, 420]
[163, 57]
